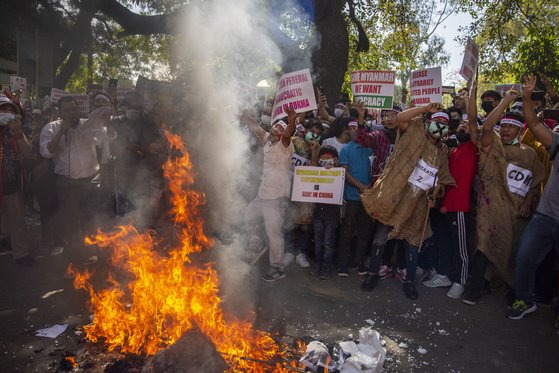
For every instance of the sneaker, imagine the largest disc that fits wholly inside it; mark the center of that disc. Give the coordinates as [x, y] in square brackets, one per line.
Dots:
[370, 282]
[438, 281]
[384, 272]
[301, 259]
[410, 290]
[362, 270]
[274, 274]
[316, 270]
[343, 272]
[427, 274]
[326, 273]
[257, 255]
[471, 298]
[455, 291]
[520, 309]
[288, 259]
[400, 275]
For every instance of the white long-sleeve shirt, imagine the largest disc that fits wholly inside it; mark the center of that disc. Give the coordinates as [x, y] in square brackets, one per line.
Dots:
[76, 156]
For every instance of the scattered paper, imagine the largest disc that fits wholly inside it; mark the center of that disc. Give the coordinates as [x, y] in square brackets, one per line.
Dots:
[46, 295]
[52, 331]
[422, 351]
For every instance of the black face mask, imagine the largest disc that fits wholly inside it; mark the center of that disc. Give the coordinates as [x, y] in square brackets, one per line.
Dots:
[462, 137]
[487, 106]
[453, 124]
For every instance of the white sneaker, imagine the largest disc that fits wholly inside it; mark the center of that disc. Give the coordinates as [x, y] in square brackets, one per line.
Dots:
[288, 258]
[438, 281]
[455, 291]
[301, 259]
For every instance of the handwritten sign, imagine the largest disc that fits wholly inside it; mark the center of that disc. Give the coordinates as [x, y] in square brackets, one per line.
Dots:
[56, 94]
[294, 90]
[423, 176]
[519, 179]
[375, 88]
[470, 61]
[318, 185]
[426, 86]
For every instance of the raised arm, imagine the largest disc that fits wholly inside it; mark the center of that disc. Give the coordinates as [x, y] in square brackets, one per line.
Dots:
[494, 117]
[404, 118]
[288, 132]
[540, 131]
[322, 104]
[253, 126]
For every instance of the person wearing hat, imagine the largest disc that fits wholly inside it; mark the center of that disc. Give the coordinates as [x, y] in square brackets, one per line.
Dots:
[403, 194]
[13, 147]
[273, 193]
[510, 175]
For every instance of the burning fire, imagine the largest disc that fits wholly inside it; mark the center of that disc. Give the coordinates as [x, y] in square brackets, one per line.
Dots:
[165, 297]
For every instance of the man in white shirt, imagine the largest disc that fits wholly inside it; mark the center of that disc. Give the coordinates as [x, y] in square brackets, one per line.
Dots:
[274, 190]
[70, 142]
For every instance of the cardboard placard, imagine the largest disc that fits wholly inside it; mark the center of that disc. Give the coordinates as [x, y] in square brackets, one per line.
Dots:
[375, 88]
[426, 86]
[470, 61]
[294, 90]
[318, 185]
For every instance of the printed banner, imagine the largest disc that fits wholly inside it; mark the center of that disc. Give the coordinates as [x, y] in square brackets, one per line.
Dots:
[470, 61]
[56, 94]
[294, 90]
[426, 86]
[375, 88]
[503, 88]
[318, 184]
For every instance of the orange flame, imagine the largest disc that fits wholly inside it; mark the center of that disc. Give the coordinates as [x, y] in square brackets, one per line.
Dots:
[72, 361]
[165, 298]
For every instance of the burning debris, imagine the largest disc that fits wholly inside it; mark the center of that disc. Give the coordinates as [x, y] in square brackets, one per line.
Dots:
[167, 295]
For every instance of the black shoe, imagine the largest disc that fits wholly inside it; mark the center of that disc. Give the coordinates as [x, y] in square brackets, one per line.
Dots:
[362, 270]
[326, 273]
[370, 282]
[486, 288]
[410, 290]
[520, 309]
[343, 272]
[316, 270]
[471, 297]
[26, 261]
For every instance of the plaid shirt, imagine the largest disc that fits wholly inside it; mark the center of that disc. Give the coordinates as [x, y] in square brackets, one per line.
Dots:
[379, 142]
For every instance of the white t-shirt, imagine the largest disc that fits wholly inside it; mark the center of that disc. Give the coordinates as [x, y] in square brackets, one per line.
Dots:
[275, 170]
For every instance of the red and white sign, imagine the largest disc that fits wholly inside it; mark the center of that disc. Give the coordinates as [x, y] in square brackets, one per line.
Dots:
[83, 103]
[294, 90]
[318, 185]
[56, 94]
[426, 86]
[375, 88]
[470, 61]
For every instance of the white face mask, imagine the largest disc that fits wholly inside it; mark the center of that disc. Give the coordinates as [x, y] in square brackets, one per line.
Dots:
[338, 112]
[133, 114]
[6, 118]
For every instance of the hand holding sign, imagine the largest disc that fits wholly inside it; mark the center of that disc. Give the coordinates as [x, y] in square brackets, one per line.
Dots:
[291, 115]
[510, 95]
[434, 107]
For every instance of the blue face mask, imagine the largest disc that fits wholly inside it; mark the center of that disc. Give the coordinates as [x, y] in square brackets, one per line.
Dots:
[311, 136]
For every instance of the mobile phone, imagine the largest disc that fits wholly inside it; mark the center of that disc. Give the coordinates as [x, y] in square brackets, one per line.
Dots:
[538, 96]
[551, 114]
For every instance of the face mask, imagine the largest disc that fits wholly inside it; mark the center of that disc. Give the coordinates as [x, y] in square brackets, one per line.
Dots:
[487, 106]
[513, 142]
[311, 136]
[453, 123]
[133, 114]
[6, 118]
[462, 137]
[266, 119]
[437, 130]
[326, 162]
[338, 112]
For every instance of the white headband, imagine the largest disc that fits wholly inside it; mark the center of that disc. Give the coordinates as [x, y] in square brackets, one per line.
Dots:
[282, 124]
[512, 121]
[353, 124]
[440, 114]
[299, 128]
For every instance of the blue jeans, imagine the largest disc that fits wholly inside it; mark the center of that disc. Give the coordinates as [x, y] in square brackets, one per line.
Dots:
[539, 238]
[324, 241]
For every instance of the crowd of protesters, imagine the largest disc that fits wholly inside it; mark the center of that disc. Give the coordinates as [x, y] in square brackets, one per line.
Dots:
[442, 196]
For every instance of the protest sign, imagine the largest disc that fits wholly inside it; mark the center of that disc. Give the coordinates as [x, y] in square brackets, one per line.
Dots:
[83, 103]
[470, 61]
[448, 90]
[318, 184]
[375, 88]
[503, 88]
[294, 90]
[426, 86]
[56, 94]
[16, 83]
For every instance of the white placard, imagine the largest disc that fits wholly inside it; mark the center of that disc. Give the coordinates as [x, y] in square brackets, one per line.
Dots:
[518, 179]
[17, 82]
[423, 176]
[318, 185]
[294, 90]
[426, 86]
[56, 94]
[83, 103]
[297, 160]
[375, 88]
[470, 61]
